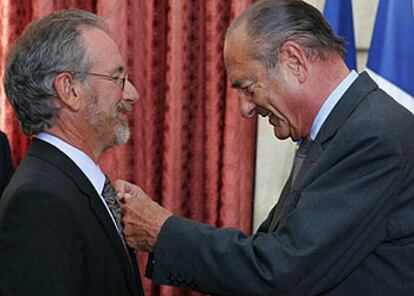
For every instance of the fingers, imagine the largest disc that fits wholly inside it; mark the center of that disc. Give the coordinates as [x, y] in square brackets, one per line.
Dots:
[126, 196]
[122, 186]
[142, 217]
[128, 190]
[131, 242]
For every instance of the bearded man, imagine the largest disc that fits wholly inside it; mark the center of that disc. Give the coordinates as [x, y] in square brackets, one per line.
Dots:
[60, 228]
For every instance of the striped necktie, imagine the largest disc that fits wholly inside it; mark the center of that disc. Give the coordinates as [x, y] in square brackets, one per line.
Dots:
[300, 157]
[284, 201]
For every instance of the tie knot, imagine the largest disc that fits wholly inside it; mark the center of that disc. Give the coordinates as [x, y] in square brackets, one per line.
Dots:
[304, 146]
[108, 189]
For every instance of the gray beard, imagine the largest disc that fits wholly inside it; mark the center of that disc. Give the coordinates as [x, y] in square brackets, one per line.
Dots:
[99, 123]
[122, 134]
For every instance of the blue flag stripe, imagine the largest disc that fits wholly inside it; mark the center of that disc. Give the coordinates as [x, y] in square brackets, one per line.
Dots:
[339, 15]
[391, 54]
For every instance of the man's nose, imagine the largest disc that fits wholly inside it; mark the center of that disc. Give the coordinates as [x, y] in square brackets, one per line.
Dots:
[130, 93]
[247, 108]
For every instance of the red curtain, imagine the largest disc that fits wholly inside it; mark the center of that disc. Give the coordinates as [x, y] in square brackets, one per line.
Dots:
[190, 149]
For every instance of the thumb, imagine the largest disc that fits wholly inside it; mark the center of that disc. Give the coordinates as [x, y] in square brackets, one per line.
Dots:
[119, 186]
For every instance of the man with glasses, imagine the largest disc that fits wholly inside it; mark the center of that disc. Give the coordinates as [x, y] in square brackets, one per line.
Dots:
[60, 229]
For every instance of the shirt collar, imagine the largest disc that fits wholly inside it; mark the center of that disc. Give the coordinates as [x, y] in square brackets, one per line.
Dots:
[91, 170]
[330, 103]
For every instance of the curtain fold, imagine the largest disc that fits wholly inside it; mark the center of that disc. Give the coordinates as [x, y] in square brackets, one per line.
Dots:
[190, 149]
[15, 15]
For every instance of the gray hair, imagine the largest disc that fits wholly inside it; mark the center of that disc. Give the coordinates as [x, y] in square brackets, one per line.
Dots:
[47, 46]
[271, 23]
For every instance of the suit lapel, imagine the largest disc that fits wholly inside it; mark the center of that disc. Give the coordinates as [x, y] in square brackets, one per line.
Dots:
[359, 89]
[54, 156]
[280, 207]
[309, 162]
[356, 93]
[106, 221]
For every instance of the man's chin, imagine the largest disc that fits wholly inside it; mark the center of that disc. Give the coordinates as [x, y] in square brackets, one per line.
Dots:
[280, 134]
[122, 135]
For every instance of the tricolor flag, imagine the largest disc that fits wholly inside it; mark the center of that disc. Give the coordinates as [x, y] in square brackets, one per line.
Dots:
[339, 16]
[391, 55]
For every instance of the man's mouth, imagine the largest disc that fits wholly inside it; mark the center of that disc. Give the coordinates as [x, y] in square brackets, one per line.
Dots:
[124, 109]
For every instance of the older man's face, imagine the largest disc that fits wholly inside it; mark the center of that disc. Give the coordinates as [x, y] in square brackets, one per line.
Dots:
[107, 104]
[273, 97]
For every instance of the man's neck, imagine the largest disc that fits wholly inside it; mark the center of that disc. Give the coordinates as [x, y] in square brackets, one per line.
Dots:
[324, 77]
[77, 140]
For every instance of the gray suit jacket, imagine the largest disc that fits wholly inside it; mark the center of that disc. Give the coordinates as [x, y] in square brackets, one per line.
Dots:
[346, 226]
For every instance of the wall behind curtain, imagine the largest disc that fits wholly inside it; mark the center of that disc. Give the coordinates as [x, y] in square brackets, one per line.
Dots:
[190, 149]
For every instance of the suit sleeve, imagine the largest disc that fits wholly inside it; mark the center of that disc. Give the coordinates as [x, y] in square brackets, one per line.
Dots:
[40, 249]
[339, 218]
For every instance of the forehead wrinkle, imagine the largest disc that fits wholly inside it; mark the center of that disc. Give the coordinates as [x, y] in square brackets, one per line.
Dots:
[244, 72]
[102, 48]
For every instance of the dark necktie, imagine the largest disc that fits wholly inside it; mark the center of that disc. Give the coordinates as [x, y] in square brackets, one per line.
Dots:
[297, 165]
[300, 157]
[111, 198]
[110, 195]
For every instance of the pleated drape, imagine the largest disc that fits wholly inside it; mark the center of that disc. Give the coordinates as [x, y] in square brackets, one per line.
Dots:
[190, 149]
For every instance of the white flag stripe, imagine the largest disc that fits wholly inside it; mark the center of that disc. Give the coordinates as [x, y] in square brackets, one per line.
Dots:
[394, 91]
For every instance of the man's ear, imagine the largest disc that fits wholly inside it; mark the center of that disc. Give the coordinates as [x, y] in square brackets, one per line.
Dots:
[293, 56]
[67, 90]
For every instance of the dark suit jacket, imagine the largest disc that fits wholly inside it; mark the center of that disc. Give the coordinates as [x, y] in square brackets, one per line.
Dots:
[56, 236]
[346, 227]
[6, 165]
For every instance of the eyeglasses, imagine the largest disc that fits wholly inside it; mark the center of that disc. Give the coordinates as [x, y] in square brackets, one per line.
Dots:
[121, 81]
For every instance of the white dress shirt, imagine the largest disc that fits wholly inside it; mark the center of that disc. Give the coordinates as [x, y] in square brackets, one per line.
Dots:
[330, 103]
[90, 169]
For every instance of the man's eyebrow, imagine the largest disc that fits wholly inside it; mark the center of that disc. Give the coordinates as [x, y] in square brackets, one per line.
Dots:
[117, 70]
[243, 83]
